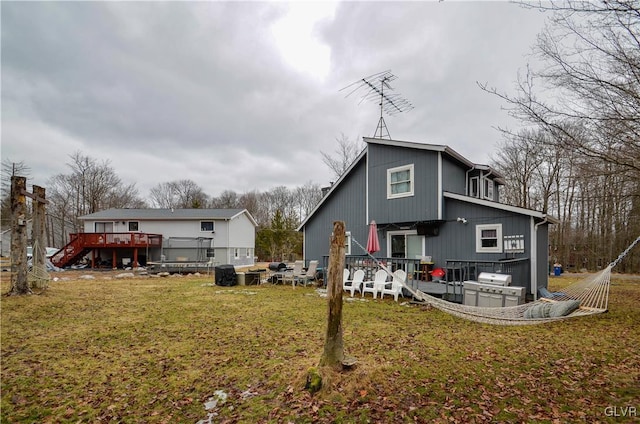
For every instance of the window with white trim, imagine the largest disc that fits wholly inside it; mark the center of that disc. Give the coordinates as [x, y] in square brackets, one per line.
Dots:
[488, 189]
[249, 251]
[488, 238]
[400, 182]
[207, 226]
[474, 187]
[236, 253]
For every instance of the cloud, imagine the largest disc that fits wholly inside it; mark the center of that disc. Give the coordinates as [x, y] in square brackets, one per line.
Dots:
[241, 96]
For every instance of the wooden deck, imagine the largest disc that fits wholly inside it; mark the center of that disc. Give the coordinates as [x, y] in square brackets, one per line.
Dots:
[83, 243]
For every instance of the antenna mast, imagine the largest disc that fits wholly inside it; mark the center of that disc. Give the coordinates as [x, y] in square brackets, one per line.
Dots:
[374, 86]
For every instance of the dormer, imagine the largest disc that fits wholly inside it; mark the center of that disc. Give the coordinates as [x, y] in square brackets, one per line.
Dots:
[483, 183]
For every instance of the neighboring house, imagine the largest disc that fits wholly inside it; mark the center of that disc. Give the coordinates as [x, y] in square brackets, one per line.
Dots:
[127, 236]
[428, 201]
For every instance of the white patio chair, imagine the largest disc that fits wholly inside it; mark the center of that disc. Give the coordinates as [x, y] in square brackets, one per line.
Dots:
[375, 285]
[293, 274]
[354, 284]
[394, 287]
[310, 274]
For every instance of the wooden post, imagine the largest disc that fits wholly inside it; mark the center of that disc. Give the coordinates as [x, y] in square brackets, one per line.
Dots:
[333, 347]
[38, 244]
[19, 282]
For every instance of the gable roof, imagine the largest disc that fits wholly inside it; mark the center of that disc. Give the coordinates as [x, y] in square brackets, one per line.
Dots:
[166, 214]
[398, 143]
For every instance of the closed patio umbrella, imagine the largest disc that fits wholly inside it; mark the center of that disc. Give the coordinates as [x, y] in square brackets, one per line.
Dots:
[373, 245]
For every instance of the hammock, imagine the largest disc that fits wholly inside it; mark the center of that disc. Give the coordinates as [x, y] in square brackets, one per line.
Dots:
[589, 296]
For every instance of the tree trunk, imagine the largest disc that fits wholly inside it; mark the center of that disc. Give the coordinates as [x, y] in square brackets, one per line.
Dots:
[19, 282]
[333, 347]
[39, 249]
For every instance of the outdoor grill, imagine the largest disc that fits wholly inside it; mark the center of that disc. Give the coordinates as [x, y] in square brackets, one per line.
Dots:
[277, 266]
[492, 291]
[494, 279]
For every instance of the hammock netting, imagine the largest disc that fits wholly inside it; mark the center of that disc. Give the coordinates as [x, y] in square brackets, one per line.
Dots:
[588, 296]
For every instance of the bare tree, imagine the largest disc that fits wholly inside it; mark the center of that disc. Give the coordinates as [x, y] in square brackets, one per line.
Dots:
[343, 156]
[178, 194]
[10, 169]
[591, 52]
[228, 199]
[91, 186]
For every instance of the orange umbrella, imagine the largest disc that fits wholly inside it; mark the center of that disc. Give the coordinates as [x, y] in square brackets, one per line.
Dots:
[373, 245]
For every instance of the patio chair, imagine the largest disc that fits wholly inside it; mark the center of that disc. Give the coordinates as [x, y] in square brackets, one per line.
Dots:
[394, 287]
[355, 284]
[293, 274]
[310, 275]
[376, 284]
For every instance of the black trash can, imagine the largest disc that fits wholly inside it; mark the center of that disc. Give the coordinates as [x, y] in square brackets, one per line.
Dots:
[226, 275]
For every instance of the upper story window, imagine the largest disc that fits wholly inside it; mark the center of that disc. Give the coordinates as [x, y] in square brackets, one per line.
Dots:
[133, 225]
[488, 238]
[206, 226]
[488, 189]
[400, 182]
[474, 187]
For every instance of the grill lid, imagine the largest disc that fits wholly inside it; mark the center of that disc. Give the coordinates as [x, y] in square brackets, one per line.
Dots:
[496, 279]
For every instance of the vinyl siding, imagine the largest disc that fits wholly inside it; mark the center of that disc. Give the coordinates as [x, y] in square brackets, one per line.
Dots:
[347, 203]
[423, 205]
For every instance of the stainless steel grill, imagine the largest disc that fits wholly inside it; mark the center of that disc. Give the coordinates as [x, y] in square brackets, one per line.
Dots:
[495, 279]
[492, 295]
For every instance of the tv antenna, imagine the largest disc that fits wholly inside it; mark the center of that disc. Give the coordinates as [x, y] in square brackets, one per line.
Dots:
[374, 88]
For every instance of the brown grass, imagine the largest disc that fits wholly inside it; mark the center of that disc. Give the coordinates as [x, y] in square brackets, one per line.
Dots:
[157, 350]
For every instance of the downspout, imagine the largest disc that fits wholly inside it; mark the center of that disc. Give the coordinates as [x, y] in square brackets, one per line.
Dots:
[466, 180]
[440, 195]
[534, 256]
[366, 187]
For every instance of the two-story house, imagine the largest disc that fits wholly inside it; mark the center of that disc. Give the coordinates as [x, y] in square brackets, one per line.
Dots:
[120, 237]
[430, 202]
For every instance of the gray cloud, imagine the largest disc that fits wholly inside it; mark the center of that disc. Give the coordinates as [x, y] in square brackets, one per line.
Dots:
[177, 90]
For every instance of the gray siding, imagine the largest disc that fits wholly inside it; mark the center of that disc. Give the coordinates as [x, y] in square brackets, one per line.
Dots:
[423, 205]
[457, 241]
[453, 176]
[347, 203]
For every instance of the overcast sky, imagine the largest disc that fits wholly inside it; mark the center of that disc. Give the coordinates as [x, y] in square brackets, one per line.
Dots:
[245, 95]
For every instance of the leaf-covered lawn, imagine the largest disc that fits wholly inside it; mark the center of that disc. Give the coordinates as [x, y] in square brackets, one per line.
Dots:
[161, 350]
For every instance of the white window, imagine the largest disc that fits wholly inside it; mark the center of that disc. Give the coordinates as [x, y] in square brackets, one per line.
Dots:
[206, 226]
[249, 253]
[236, 253]
[488, 189]
[400, 182]
[489, 238]
[474, 189]
[347, 242]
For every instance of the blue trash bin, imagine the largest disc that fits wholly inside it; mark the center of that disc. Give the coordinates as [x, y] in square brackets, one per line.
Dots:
[557, 270]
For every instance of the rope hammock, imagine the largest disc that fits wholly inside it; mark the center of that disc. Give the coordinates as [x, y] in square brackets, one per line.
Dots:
[589, 296]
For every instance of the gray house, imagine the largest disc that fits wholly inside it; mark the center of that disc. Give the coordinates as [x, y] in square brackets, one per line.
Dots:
[118, 237]
[433, 209]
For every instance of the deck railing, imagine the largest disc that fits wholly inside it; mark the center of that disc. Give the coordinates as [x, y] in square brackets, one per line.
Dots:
[456, 271]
